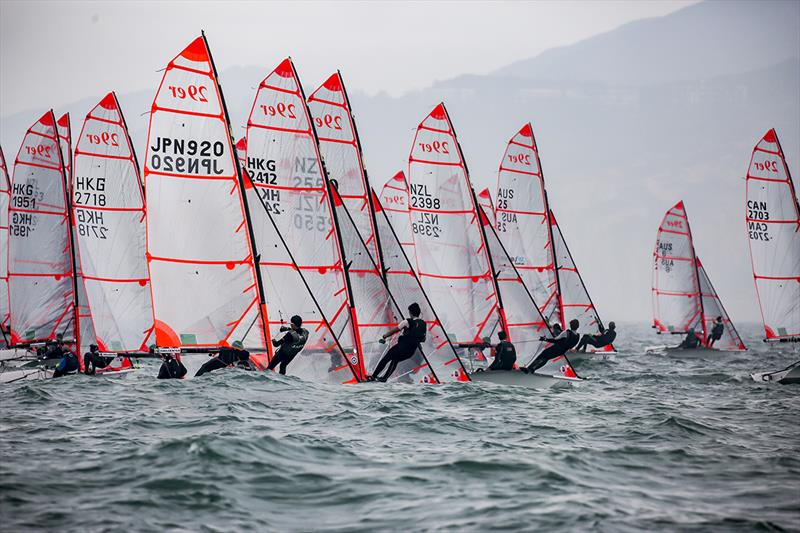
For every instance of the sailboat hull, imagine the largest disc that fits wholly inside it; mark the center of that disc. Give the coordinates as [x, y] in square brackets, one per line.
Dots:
[520, 379]
[787, 376]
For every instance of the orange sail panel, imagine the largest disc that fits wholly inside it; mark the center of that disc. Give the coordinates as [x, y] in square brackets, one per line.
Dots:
[109, 214]
[40, 270]
[203, 281]
[773, 228]
[485, 202]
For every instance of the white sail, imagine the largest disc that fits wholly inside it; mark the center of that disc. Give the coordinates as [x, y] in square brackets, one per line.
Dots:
[712, 309]
[452, 260]
[340, 149]
[284, 164]
[676, 291]
[203, 281]
[485, 203]
[108, 209]
[395, 201]
[773, 229]
[40, 270]
[5, 199]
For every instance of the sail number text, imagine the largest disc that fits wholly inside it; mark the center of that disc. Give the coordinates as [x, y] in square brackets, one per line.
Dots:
[757, 211]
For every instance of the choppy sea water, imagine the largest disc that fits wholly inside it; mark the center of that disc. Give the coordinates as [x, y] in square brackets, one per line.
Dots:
[650, 442]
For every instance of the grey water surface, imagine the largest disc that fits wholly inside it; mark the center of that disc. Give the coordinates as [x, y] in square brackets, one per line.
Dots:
[648, 443]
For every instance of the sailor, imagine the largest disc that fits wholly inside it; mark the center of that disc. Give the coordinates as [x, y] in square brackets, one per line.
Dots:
[171, 367]
[290, 344]
[561, 344]
[691, 341]
[69, 361]
[716, 331]
[605, 338]
[412, 333]
[236, 355]
[505, 355]
[92, 360]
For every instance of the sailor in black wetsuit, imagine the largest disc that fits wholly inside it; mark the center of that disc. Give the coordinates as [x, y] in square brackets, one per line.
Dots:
[505, 355]
[69, 361]
[172, 367]
[235, 355]
[691, 341]
[290, 344]
[605, 338]
[414, 331]
[561, 344]
[716, 331]
[92, 360]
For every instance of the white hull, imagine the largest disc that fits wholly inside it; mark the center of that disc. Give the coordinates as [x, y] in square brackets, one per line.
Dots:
[577, 358]
[789, 375]
[520, 379]
[25, 374]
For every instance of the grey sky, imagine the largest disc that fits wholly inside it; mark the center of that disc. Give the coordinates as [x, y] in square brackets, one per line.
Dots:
[54, 53]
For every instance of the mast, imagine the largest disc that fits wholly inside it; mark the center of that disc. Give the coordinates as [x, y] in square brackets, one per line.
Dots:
[553, 255]
[248, 220]
[481, 214]
[696, 277]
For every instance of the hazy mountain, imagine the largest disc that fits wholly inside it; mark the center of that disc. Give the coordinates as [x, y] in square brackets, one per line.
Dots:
[628, 123]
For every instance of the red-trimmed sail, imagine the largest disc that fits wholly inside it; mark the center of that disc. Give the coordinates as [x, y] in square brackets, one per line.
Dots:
[773, 227]
[677, 306]
[576, 302]
[713, 309]
[5, 199]
[452, 259]
[40, 267]
[522, 221]
[485, 202]
[203, 281]
[440, 358]
[109, 214]
[284, 164]
[395, 201]
[341, 151]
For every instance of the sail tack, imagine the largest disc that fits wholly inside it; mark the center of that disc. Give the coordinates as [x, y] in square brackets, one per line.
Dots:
[773, 228]
[5, 199]
[40, 270]
[203, 281]
[109, 214]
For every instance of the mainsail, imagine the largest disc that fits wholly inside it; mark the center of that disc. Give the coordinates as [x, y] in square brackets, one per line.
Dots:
[576, 302]
[522, 221]
[340, 149]
[440, 359]
[300, 254]
[108, 209]
[452, 259]
[485, 202]
[395, 202]
[40, 260]
[85, 326]
[712, 308]
[204, 285]
[773, 227]
[5, 199]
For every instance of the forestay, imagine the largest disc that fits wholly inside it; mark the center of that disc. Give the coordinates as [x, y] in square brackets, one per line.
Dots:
[40, 269]
[203, 282]
[284, 164]
[340, 149]
[108, 209]
[438, 361]
[712, 308]
[677, 306]
[395, 201]
[452, 260]
[85, 325]
[773, 228]
[522, 221]
[5, 199]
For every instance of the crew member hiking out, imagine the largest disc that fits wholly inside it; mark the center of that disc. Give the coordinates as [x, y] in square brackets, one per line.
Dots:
[691, 341]
[605, 338]
[561, 344]
[171, 367]
[289, 345]
[412, 333]
[505, 355]
[716, 332]
[69, 361]
[236, 355]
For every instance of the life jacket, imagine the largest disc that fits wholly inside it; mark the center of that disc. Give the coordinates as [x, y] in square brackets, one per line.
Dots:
[415, 333]
[717, 330]
[571, 340]
[298, 341]
[506, 353]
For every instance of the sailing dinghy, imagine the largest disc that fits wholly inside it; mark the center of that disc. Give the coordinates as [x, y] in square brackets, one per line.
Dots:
[204, 285]
[683, 297]
[455, 262]
[773, 228]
